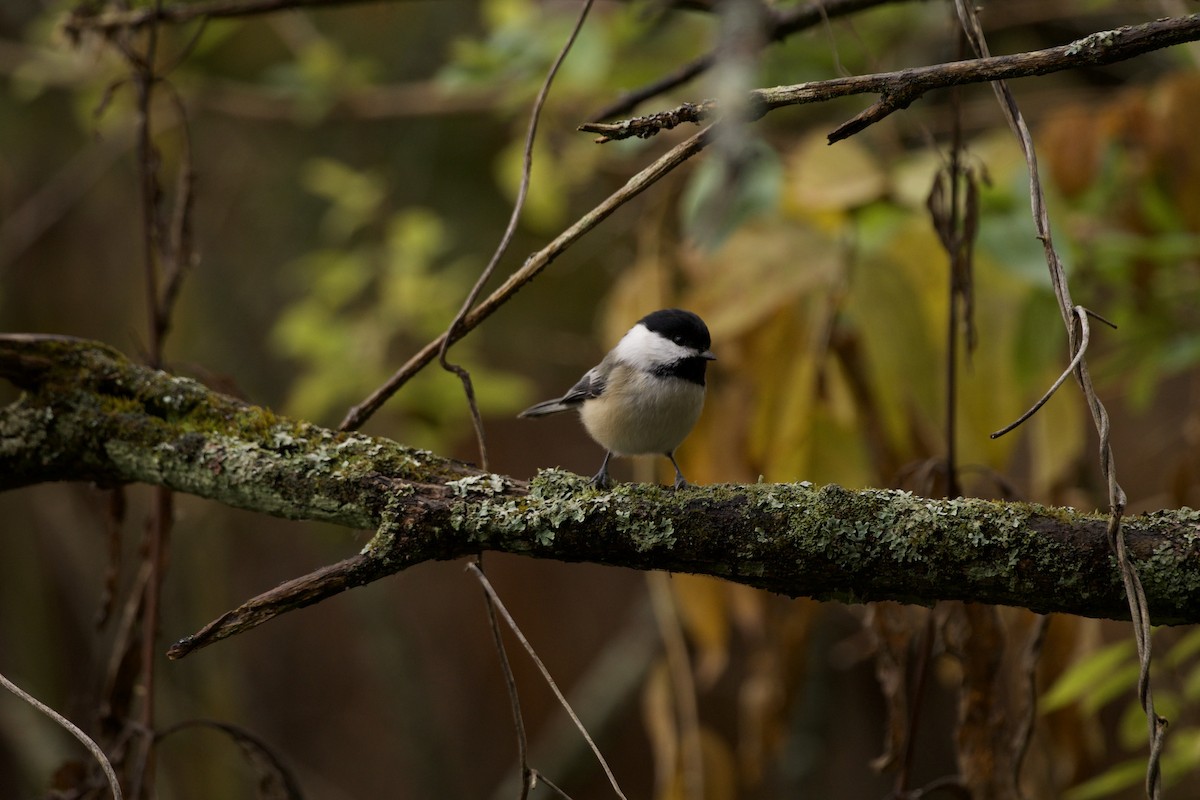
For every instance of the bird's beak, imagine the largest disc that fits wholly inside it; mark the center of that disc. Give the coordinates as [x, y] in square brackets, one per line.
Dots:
[708, 355]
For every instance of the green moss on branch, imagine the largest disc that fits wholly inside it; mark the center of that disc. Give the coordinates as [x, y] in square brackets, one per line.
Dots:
[87, 413]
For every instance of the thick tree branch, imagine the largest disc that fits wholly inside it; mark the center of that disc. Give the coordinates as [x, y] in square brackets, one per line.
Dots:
[90, 414]
[901, 88]
[87, 413]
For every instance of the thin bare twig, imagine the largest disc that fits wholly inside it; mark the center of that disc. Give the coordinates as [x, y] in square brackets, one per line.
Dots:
[920, 683]
[528, 776]
[540, 778]
[71, 728]
[599, 695]
[502, 248]
[1099, 48]
[167, 250]
[1134, 592]
[143, 79]
[1029, 662]
[276, 781]
[178, 251]
[158, 526]
[487, 587]
[956, 229]
[1085, 337]
[646, 126]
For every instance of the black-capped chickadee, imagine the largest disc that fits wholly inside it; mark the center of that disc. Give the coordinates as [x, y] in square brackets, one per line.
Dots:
[645, 396]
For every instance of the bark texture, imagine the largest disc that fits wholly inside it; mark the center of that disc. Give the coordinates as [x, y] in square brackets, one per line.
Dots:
[88, 413]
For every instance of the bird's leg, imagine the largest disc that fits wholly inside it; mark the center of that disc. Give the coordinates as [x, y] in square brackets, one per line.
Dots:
[601, 480]
[680, 481]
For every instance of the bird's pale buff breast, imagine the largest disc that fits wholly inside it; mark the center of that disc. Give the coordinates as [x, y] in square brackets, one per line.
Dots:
[642, 421]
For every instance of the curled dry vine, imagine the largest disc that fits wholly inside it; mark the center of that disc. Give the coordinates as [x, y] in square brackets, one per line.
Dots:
[1134, 592]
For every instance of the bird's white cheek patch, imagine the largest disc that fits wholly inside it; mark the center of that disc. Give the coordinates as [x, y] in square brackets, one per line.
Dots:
[642, 347]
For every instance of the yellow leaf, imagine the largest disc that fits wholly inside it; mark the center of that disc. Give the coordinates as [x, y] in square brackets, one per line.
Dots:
[760, 270]
[658, 715]
[840, 177]
[718, 773]
[703, 609]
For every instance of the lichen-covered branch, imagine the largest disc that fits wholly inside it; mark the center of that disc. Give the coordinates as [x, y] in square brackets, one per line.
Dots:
[87, 413]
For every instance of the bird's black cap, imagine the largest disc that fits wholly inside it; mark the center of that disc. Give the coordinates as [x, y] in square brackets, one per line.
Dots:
[681, 327]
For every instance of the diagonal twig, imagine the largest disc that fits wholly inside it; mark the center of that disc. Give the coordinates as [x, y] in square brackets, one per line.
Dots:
[502, 248]
[71, 728]
[1085, 337]
[540, 778]
[530, 270]
[528, 776]
[495, 598]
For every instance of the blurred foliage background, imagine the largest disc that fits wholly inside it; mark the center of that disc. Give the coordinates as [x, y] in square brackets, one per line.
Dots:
[355, 167]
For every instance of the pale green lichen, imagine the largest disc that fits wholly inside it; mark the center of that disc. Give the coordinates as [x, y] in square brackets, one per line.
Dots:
[653, 535]
[1096, 41]
[383, 544]
[23, 429]
[487, 484]
[282, 439]
[556, 501]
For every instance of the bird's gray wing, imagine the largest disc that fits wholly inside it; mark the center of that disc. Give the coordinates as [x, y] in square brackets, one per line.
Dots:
[589, 386]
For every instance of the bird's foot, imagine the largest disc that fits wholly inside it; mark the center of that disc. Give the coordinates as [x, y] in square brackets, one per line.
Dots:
[601, 480]
[680, 481]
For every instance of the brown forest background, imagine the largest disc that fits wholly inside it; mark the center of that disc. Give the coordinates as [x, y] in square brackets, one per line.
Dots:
[355, 167]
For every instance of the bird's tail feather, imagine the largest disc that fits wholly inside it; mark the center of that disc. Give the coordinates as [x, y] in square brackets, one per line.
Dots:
[547, 407]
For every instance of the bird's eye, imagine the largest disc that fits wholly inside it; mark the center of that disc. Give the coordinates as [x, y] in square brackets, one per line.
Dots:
[677, 339]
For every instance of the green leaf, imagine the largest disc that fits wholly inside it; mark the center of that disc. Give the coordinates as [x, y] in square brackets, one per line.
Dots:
[1133, 731]
[715, 203]
[1191, 685]
[1184, 649]
[354, 195]
[1083, 677]
[1122, 776]
[1183, 752]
